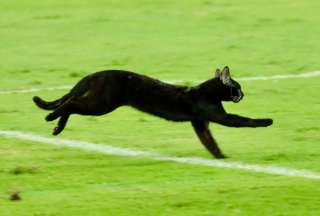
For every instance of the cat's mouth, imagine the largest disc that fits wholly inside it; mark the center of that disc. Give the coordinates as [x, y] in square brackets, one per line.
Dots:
[238, 97]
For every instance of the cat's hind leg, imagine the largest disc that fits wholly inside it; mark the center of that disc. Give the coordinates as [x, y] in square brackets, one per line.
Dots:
[62, 110]
[90, 104]
[61, 124]
[82, 106]
[79, 89]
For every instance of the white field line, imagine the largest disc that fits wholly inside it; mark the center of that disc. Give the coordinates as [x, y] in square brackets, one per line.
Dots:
[21, 91]
[281, 77]
[274, 77]
[118, 151]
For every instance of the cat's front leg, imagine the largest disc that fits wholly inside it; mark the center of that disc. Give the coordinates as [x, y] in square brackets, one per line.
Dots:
[202, 130]
[232, 120]
[262, 122]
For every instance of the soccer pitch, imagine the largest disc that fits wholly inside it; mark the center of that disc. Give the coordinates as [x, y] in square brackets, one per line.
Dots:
[145, 165]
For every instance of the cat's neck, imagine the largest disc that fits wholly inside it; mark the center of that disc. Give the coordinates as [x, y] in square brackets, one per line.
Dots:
[204, 92]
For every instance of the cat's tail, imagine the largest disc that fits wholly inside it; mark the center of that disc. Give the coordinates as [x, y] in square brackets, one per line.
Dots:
[50, 105]
[79, 89]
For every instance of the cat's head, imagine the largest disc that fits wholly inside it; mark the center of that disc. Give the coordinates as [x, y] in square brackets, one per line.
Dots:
[231, 90]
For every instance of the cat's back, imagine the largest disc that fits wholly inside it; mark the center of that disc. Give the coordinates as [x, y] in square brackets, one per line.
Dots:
[132, 80]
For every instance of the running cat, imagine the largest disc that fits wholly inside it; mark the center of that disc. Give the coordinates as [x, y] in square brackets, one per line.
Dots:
[104, 91]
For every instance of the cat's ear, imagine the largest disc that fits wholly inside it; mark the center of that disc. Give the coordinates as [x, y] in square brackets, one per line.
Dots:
[218, 72]
[225, 75]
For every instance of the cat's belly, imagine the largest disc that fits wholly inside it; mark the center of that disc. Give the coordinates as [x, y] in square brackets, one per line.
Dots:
[168, 114]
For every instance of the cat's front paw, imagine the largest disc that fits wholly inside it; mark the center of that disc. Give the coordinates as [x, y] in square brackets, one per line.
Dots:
[264, 122]
[221, 156]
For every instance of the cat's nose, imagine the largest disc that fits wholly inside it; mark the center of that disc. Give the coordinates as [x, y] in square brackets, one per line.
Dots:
[240, 94]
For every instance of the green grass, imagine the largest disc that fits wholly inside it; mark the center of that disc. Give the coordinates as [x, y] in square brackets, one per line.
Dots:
[51, 43]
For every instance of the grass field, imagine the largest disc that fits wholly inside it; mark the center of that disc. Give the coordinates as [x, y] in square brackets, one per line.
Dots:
[53, 43]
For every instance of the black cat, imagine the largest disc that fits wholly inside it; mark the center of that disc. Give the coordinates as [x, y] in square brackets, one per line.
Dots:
[103, 92]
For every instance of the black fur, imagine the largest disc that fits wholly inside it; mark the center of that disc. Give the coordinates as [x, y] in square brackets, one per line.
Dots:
[104, 91]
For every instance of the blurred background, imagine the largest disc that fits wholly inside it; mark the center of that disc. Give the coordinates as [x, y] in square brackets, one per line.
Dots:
[52, 44]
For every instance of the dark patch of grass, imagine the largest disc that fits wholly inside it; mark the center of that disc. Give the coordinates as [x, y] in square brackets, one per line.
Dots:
[275, 157]
[224, 190]
[274, 62]
[35, 82]
[25, 71]
[120, 62]
[224, 18]
[142, 120]
[93, 119]
[232, 47]
[49, 17]
[8, 111]
[265, 20]
[15, 196]
[182, 204]
[55, 70]
[305, 129]
[19, 170]
[292, 20]
[75, 74]
[207, 3]
[102, 19]
[302, 68]
[20, 71]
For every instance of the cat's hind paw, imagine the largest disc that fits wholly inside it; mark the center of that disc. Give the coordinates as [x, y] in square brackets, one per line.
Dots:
[57, 130]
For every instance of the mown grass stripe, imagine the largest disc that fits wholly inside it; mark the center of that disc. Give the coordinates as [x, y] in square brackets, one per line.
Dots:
[118, 151]
[255, 78]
